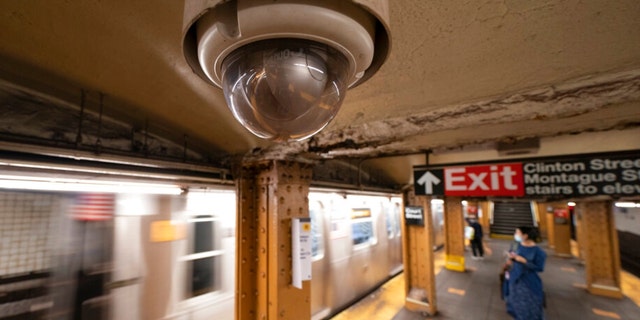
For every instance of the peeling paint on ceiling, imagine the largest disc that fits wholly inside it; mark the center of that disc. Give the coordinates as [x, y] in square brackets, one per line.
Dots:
[538, 107]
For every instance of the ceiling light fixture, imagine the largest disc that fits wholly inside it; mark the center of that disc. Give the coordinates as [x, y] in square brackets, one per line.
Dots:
[74, 185]
[627, 205]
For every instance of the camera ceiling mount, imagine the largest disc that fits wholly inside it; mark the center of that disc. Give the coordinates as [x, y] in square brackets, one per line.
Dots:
[284, 66]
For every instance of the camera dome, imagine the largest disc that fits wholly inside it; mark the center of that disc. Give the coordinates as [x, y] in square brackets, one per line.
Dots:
[284, 89]
[285, 66]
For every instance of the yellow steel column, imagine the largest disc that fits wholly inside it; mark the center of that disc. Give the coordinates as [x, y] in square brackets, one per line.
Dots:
[602, 254]
[484, 220]
[270, 194]
[417, 251]
[561, 230]
[580, 236]
[551, 235]
[541, 215]
[454, 234]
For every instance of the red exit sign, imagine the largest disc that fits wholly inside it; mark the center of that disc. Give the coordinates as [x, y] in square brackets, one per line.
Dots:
[612, 174]
[504, 179]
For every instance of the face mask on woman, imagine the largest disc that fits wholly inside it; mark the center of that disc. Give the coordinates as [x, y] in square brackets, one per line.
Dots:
[517, 237]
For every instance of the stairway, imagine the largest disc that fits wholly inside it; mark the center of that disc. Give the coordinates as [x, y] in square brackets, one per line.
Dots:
[507, 216]
[629, 251]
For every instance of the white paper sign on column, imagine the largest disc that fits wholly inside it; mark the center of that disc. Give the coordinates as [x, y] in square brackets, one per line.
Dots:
[301, 250]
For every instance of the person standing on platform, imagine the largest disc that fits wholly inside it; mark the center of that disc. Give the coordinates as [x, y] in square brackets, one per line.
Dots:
[476, 239]
[525, 296]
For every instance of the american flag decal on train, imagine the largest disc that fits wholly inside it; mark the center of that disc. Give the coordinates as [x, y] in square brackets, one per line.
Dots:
[93, 206]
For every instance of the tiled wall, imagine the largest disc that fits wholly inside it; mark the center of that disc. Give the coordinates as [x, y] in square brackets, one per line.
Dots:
[26, 227]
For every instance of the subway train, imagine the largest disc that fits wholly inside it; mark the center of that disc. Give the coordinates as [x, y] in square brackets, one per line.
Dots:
[88, 262]
[356, 245]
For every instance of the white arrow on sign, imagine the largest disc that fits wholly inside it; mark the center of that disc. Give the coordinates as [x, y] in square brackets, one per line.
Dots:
[429, 180]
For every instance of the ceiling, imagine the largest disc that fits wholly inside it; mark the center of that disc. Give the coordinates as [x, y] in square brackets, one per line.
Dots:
[460, 75]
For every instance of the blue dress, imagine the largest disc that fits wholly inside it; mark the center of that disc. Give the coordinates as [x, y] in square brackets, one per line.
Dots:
[525, 296]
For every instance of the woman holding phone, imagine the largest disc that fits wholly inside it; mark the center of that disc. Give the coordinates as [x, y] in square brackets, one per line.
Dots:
[525, 296]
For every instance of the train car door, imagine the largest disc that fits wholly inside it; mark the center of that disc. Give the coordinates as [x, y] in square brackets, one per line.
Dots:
[320, 265]
[394, 235]
[92, 229]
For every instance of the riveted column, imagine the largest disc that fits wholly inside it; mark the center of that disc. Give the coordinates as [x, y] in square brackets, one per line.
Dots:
[454, 234]
[602, 254]
[270, 194]
[417, 251]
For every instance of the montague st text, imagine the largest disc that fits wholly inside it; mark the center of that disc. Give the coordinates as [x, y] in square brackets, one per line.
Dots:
[589, 177]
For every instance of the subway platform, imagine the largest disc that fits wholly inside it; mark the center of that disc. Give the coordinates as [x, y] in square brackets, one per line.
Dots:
[475, 294]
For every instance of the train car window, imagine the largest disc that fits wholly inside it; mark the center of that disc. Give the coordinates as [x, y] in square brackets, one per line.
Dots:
[362, 229]
[204, 256]
[207, 254]
[396, 217]
[437, 212]
[316, 212]
[392, 211]
[203, 235]
[390, 222]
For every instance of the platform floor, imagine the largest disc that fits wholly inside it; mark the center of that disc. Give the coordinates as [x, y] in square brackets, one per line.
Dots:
[475, 294]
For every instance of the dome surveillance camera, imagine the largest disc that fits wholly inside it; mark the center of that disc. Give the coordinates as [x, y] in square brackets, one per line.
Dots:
[285, 66]
[286, 88]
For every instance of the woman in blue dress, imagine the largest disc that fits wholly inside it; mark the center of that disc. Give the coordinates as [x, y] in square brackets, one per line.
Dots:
[524, 294]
